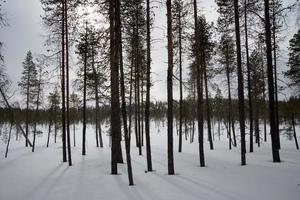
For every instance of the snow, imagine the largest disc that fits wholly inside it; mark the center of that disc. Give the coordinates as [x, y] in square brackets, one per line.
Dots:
[43, 175]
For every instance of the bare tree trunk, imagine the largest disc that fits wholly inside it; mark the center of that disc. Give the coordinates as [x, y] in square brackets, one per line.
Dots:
[211, 145]
[240, 83]
[9, 136]
[12, 116]
[116, 151]
[148, 87]
[124, 112]
[294, 129]
[170, 89]
[199, 88]
[37, 108]
[96, 97]
[264, 94]
[274, 131]
[84, 94]
[27, 112]
[67, 86]
[63, 118]
[249, 80]
[49, 131]
[275, 74]
[180, 83]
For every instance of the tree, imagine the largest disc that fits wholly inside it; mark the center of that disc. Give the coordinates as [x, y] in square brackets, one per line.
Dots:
[226, 52]
[38, 91]
[248, 75]
[272, 117]
[54, 101]
[240, 83]
[114, 12]
[59, 17]
[205, 52]
[148, 87]
[293, 73]
[4, 87]
[225, 24]
[27, 86]
[75, 104]
[170, 89]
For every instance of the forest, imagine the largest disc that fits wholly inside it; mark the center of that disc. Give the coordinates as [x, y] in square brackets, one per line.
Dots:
[205, 91]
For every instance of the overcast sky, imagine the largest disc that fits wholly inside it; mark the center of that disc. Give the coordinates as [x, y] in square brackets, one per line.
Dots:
[25, 32]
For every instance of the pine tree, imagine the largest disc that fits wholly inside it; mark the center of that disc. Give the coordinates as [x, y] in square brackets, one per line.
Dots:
[199, 72]
[170, 89]
[27, 86]
[240, 83]
[293, 73]
[272, 115]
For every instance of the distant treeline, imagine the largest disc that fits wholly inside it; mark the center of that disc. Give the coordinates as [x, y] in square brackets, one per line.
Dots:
[158, 110]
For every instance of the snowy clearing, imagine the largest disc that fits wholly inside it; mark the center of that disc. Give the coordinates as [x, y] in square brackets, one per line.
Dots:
[42, 175]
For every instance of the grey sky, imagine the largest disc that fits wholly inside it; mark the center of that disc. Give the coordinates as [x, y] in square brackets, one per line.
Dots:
[25, 32]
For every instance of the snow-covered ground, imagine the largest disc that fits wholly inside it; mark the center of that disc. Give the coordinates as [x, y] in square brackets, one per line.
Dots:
[42, 175]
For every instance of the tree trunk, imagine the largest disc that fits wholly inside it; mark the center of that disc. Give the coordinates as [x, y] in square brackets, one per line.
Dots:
[63, 111]
[275, 75]
[249, 80]
[49, 131]
[294, 130]
[9, 136]
[148, 86]
[180, 83]
[67, 86]
[170, 89]
[12, 116]
[240, 83]
[37, 108]
[199, 88]
[84, 94]
[211, 145]
[272, 115]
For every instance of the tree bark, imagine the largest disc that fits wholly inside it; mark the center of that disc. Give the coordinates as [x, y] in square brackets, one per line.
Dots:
[63, 111]
[170, 89]
[67, 86]
[249, 79]
[199, 88]
[272, 115]
[148, 87]
[240, 83]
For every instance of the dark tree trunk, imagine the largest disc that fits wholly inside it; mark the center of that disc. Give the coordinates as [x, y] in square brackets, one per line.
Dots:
[37, 108]
[240, 83]
[116, 151]
[229, 103]
[170, 89]
[124, 112]
[294, 130]
[275, 74]
[27, 111]
[199, 88]
[249, 79]
[148, 86]
[272, 114]
[98, 133]
[256, 106]
[180, 84]
[63, 117]
[49, 132]
[12, 116]
[67, 86]
[9, 136]
[84, 95]
[211, 145]
[264, 94]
